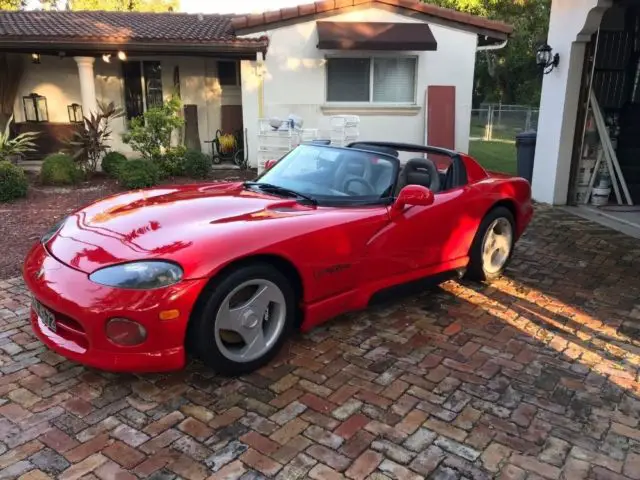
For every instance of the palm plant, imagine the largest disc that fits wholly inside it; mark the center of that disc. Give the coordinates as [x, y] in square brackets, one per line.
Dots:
[14, 148]
[91, 142]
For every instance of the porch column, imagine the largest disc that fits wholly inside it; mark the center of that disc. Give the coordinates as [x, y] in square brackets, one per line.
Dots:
[571, 24]
[87, 85]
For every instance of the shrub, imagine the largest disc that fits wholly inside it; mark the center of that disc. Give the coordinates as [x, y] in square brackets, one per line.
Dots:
[13, 182]
[172, 163]
[111, 162]
[59, 169]
[138, 173]
[91, 141]
[197, 164]
[150, 134]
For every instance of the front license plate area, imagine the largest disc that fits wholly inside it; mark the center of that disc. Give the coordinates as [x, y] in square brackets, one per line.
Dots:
[46, 315]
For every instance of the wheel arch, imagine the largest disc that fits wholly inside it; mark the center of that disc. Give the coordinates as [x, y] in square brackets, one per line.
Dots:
[279, 262]
[507, 203]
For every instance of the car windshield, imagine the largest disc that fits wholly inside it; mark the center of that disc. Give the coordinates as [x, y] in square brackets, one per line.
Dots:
[325, 174]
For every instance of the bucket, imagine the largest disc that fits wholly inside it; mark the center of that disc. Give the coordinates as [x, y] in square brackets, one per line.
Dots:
[600, 196]
[581, 193]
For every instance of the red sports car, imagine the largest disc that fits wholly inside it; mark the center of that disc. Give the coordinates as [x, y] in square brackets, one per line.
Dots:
[226, 271]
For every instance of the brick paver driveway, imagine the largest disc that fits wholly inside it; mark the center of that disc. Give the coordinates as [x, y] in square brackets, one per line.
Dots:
[533, 377]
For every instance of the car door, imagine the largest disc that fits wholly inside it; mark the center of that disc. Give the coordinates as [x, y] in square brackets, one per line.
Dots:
[419, 237]
[339, 263]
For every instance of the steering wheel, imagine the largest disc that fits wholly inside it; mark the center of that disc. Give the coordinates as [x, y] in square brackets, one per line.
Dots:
[361, 181]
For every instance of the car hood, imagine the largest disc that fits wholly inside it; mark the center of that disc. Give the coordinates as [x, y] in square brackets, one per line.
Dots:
[174, 223]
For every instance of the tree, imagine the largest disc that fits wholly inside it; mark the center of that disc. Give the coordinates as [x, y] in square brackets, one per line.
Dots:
[12, 4]
[509, 75]
[124, 5]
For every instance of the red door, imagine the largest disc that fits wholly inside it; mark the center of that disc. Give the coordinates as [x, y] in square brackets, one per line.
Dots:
[441, 116]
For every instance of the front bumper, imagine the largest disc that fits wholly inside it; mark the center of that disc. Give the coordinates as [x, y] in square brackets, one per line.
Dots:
[82, 308]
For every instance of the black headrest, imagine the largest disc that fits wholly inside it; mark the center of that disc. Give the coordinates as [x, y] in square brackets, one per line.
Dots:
[421, 171]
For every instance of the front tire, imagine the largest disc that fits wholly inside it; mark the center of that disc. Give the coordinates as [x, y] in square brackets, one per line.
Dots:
[243, 320]
[492, 246]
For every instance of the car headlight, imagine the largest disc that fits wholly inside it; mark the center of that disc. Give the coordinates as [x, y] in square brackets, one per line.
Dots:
[52, 231]
[143, 275]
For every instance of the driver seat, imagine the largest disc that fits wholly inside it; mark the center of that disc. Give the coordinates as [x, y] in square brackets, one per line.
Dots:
[421, 171]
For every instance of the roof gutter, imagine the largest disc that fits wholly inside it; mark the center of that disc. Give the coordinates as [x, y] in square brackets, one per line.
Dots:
[96, 47]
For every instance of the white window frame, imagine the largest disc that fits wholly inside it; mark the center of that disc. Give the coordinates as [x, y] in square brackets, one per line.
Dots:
[371, 57]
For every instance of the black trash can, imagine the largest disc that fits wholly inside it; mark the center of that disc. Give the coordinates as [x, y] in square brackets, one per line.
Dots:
[526, 151]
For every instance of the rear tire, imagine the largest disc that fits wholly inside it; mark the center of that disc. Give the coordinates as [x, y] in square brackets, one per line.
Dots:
[492, 246]
[243, 319]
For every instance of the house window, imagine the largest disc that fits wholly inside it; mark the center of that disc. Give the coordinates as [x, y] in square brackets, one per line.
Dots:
[229, 73]
[152, 72]
[371, 79]
[142, 86]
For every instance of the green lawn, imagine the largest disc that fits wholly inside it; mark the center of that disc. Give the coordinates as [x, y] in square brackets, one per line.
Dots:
[505, 131]
[497, 156]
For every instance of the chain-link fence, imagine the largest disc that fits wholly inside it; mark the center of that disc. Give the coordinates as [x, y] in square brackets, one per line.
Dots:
[494, 122]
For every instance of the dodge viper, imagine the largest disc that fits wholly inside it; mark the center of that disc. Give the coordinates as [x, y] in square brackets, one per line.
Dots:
[224, 272]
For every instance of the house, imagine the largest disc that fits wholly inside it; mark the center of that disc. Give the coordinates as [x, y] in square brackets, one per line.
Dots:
[404, 67]
[598, 50]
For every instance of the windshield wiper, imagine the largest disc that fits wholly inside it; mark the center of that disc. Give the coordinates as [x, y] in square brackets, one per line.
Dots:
[281, 190]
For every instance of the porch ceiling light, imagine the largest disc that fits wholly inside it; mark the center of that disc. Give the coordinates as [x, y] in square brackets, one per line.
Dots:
[545, 59]
[106, 58]
[35, 57]
[122, 56]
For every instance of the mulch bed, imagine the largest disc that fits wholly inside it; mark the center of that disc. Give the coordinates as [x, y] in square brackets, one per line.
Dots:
[24, 221]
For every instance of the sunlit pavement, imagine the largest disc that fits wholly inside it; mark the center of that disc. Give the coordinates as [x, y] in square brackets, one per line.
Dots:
[533, 377]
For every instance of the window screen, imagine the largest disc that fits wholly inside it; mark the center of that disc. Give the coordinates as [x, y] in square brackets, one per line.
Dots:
[376, 79]
[394, 80]
[348, 79]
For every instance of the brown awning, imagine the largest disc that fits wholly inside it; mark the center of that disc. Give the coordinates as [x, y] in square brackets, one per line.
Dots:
[375, 36]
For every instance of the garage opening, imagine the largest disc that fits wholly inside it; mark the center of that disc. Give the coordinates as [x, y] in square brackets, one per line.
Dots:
[607, 135]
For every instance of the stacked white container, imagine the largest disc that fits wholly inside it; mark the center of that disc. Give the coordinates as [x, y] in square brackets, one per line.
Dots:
[344, 129]
[273, 142]
[277, 137]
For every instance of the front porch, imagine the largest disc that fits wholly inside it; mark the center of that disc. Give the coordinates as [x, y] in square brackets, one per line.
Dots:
[134, 61]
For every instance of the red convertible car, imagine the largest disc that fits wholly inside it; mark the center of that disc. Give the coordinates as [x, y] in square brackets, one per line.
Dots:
[225, 271]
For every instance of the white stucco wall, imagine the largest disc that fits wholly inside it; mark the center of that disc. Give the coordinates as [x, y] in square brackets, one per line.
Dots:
[295, 82]
[57, 79]
[571, 24]
[54, 78]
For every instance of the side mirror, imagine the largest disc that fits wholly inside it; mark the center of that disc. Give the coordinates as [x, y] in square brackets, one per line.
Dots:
[413, 195]
[269, 163]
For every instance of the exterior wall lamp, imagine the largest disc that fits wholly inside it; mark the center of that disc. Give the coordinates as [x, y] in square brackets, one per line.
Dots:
[75, 113]
[35, 108]
[545, 58]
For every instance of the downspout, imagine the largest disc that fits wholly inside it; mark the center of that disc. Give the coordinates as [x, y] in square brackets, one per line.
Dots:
[260, 73]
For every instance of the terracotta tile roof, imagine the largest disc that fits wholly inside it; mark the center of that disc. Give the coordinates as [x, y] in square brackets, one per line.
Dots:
[309, 11]
[120, 27]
